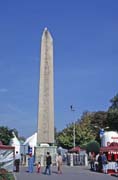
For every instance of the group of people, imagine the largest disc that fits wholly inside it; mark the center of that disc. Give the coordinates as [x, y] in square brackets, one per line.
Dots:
[48, 164]
[38, 165]
[98, 162]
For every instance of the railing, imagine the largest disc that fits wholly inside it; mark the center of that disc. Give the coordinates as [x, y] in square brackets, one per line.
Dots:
[76, 160]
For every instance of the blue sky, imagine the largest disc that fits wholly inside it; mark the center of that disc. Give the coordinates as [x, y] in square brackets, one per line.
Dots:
[85, 37]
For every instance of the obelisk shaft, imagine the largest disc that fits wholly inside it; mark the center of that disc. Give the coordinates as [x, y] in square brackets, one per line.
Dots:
[46, 93]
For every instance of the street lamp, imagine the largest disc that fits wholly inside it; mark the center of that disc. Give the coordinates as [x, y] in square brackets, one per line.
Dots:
[101, 128]
[73, 110]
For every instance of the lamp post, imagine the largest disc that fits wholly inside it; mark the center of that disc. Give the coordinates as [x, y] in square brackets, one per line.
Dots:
[73, 110]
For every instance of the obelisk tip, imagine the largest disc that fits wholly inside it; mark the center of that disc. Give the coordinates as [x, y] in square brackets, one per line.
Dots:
[45, 29]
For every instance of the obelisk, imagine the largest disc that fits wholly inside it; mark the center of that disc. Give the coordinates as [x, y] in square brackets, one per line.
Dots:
[45, 133]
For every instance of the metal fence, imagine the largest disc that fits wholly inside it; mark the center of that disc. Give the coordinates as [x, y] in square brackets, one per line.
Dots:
[7, 158]
[76, 159]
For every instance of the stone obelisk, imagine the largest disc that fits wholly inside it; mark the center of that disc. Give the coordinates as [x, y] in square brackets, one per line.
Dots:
[45, 132]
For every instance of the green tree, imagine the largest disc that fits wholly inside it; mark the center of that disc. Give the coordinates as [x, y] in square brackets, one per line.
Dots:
[114, 103]
[83, 132]
[113, 114]
[98, 121]
[5, 135]
[65, 137]
[93, 146]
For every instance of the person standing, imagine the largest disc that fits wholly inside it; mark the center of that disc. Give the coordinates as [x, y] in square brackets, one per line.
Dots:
[38, 166]
[30, 163]
[59, 163]
[92, 161]
[104, 163]
[48, 164]
[17, 161]
[96, 162]
[100, 162]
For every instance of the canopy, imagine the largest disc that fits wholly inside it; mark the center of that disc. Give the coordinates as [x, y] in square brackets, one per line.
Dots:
[31, 141]
[109, 148]
[75, 149]
[113, 147]
[7, 147]
[15, 142]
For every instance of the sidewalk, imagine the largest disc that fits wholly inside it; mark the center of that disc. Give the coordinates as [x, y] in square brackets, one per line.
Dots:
[69, 173]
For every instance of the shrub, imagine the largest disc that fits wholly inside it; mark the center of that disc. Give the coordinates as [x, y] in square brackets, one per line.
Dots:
[5, 175]
[93, 146]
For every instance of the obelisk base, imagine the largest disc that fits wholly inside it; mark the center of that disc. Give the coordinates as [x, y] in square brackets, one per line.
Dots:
[40, 153]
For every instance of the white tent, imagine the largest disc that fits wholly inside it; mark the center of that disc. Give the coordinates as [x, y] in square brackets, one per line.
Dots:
[31, 141]
[15, 142]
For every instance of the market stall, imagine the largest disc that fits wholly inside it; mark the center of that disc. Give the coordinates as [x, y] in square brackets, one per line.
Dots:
[111, 152]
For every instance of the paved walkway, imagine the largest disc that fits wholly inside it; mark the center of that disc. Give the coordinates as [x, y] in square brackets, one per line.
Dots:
[69, 173]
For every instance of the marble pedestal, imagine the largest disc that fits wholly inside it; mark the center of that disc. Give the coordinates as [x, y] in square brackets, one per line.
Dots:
[41, 152]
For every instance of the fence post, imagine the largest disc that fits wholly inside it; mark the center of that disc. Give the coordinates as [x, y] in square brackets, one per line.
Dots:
[86, 159]
[71, 160]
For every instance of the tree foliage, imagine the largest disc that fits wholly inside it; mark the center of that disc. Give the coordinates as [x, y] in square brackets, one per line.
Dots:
[83, 133]
[113, 113]
[5, 135]
[85, 130]
[93, 146]
[114, 103]
[99, 121]
[65, 137]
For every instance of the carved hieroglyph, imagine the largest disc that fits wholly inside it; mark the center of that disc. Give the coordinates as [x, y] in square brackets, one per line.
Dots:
[46, 93]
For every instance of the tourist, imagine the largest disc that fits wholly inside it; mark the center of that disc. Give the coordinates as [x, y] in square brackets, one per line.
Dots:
[100, 162]
[30, 163]
[17, 161]
[96, 162]
[38, 166]
[59, 163]
[48, 164]
[112, 157]
[92, 161]
[21, 159]
[104, 163]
